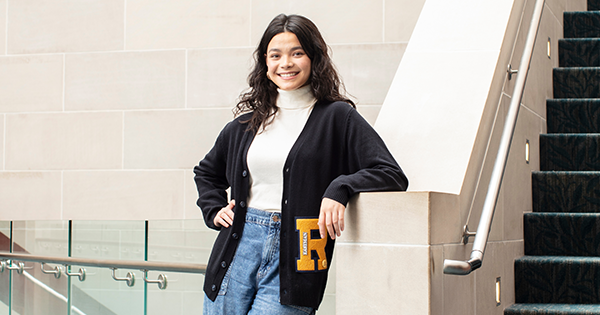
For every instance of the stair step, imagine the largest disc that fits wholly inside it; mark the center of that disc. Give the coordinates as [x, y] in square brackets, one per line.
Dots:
[566, 191]
[552, 309]
[573, 115]
[562, 234]
[581, 24]
[579, 52]
[556, 279]
[576, 82]
[570, 152]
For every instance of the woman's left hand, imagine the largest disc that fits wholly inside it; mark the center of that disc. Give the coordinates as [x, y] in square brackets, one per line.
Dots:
[331, 218]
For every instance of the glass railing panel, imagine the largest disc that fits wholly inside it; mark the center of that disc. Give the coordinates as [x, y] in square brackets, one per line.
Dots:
[5, 276]
[33, 292]
[99, 293]
[183, 241]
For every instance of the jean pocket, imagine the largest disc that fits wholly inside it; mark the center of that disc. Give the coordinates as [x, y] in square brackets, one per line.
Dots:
[225, 282]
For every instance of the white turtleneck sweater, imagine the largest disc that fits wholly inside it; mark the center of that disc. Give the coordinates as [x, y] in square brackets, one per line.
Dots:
[271, 146]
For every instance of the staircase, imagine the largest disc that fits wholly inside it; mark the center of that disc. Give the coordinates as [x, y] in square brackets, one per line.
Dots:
[560, 273]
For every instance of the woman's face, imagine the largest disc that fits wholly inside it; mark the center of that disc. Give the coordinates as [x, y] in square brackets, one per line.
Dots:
[288, 66]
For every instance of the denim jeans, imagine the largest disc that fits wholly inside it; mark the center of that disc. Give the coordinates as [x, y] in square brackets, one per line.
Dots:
[251, 284]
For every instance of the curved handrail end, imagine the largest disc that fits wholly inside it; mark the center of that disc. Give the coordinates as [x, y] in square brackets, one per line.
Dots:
[460, 267]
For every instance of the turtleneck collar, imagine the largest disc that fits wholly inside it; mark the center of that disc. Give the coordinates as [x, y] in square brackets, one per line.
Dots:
[296, 99]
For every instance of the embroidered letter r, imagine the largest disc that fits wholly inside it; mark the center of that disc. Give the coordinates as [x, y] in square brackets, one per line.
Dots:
[308, 244]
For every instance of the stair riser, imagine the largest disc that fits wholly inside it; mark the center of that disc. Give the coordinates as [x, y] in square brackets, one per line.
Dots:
[579, 53]
[566, 192]
[573, 116]
[576, 82]
[581, 24]
[568, 152]
[571, 282]
[561, 234]
[593, 5]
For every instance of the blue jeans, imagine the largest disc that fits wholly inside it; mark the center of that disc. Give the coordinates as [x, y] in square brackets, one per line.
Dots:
[251, 284]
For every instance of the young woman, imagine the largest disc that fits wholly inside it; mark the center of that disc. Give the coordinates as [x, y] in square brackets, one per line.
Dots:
[296, 153]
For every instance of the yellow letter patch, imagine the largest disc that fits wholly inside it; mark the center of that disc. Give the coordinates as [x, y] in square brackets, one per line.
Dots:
[309, 244]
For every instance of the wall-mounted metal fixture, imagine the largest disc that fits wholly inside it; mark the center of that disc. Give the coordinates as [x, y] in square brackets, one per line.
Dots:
[527, 151]
[467, 234]
[57, 270]
[130, 277]
[511, 72]
[19, 267]
[80, 274]
[162, 280]
[549, 48]
[498, 294]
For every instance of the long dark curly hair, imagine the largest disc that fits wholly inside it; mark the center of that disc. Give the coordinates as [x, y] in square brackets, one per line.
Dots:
[324, 80]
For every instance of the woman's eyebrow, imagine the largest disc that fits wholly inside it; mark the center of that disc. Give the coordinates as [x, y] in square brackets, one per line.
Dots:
[279, 50]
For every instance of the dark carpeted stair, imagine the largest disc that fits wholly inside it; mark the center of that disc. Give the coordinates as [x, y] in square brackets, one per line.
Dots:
[559, 234]
[560, 274]
[573, 115]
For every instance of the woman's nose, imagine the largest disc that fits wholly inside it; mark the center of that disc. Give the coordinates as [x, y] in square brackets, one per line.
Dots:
[286, 62]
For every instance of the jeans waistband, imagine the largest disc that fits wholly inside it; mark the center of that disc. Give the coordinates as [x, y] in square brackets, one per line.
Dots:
[262, 217]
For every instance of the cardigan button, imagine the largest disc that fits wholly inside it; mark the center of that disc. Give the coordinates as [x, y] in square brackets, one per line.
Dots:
[223, 264]
[244, 173]
[213, 288]
[285, 202]
[287, 170]
[243, 204]
[235, 236]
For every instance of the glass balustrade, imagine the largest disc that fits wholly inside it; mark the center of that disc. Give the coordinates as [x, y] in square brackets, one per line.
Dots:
[33, 288]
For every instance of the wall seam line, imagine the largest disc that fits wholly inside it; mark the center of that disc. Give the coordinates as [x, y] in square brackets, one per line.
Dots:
[4, 144]
[184, 190]
[185, 88]
[249, 28]
[383, 21]
[123, 140]
[64, 81]
[124, 24]
[133, 110]
[62, 194]
[6, 30]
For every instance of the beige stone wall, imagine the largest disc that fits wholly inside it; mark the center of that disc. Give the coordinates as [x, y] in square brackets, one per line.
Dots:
[106, 105]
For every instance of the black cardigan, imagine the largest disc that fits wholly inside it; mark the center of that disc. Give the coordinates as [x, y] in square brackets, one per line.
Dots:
[337, 155]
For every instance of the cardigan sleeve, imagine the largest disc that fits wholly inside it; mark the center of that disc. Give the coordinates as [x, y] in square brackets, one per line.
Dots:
[371, 167]
[211, 181]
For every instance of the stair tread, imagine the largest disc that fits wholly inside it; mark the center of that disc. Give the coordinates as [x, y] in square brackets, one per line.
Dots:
[552, 309]
[545, 259]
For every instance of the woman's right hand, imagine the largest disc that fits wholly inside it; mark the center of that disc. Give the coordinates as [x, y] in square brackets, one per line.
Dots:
[225, 216]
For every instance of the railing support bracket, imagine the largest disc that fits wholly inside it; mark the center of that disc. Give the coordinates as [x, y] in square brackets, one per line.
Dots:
[57, 270]
[162, 280]
[130, 278]
[80, 274]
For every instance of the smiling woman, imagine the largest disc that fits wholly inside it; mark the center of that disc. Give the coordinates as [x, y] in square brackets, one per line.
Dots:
[288, 64]
[294, 156]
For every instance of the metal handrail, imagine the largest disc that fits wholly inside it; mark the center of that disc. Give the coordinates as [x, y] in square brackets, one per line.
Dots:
[459, 267]
[107, 263]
